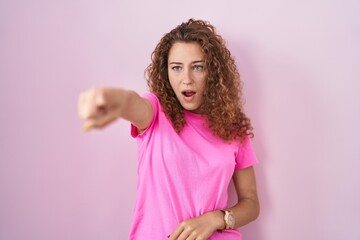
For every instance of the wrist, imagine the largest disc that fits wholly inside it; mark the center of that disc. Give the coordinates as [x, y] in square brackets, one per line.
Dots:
[229, 219]
[218, 220]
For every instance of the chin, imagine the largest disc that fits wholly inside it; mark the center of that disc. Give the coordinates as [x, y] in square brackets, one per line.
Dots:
[190, 108]
[194, 110]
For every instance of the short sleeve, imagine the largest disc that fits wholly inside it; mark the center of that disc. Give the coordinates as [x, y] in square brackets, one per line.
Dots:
[151, 97]
[246, 156]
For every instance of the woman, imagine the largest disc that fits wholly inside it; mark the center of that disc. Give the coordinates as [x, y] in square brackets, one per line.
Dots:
[192, 136]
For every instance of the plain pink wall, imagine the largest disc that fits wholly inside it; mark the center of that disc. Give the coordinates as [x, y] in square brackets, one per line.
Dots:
[300, 65]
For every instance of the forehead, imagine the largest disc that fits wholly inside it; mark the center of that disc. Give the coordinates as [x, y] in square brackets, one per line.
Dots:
[185, 51]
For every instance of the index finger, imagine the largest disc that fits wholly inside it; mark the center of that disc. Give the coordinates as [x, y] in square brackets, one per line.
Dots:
[176, 233]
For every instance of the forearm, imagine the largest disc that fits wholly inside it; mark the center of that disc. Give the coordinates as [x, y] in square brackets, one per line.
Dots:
[136, 109]
[245, 211]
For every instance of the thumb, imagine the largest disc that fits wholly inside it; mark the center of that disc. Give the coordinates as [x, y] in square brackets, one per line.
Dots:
[87, 126]
[99, 122]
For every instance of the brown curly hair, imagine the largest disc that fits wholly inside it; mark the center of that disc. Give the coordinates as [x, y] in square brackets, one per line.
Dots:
[223, 105]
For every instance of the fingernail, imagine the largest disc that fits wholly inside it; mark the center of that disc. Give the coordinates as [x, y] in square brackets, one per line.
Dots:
[86, 127]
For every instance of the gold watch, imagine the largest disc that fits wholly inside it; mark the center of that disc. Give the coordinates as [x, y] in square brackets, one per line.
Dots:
[229, 219]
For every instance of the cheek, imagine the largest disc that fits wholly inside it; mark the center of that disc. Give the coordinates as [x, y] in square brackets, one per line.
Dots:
[173, 79]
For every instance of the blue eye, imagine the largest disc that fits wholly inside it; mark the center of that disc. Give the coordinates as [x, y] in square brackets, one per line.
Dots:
[198, 67]
[176, 68]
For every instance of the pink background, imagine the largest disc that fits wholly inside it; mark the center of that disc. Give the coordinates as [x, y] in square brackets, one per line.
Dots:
[300, 64]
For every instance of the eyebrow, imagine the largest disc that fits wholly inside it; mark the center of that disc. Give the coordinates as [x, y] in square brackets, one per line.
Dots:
[179, 63]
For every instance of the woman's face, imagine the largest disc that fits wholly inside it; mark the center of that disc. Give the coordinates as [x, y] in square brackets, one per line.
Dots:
[187, 74]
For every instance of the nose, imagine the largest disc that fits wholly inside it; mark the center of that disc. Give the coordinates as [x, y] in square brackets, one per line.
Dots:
[187, 78]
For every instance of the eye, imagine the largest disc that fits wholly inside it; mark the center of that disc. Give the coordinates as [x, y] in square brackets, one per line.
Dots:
[198, 67]
[176, 68]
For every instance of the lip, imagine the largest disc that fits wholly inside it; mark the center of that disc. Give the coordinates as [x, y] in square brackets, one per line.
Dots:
[188, 98]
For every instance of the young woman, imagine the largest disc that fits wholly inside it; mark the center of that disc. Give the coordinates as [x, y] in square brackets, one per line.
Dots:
[193, 138]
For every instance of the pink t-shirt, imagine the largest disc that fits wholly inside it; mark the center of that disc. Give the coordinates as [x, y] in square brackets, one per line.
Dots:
[181, 176]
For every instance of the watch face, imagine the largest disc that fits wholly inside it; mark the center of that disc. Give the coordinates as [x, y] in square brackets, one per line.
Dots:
[231, 220]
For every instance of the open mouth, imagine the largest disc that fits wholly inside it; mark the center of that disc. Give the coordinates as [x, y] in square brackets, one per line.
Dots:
[188, 93]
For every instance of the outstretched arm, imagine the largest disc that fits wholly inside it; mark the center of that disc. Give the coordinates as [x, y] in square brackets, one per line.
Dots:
[100, 106]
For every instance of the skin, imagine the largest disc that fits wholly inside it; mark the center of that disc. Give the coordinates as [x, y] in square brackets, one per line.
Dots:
[187, 73]
[98, 107]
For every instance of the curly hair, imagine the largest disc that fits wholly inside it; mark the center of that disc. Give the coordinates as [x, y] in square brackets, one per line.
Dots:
[223, 104]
